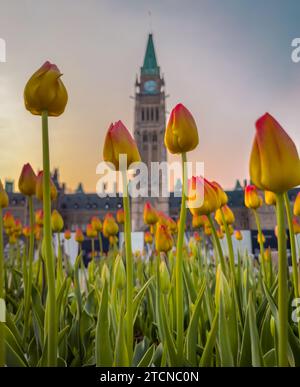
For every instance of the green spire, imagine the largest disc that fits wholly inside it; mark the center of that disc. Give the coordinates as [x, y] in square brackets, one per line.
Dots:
[150, 66]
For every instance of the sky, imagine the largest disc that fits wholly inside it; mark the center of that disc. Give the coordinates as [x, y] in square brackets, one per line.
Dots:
[228, 61]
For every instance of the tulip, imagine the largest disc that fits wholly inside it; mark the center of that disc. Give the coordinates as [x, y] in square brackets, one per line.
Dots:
[197, 236]
[26, 231]
[274, 161]
[224, 214]
[79, 237]
[223, 198]
[296, 209]
[39, 217]
[119, 273]
[261, 238]
[8, 221]
[270, 198]
[296, 226]
[90, 231]
[18, 227]
[27, 181]
[172, 225]
[57, 222]
[252, 199]
[120, 216]
[220, 233]
[203, 198]
[207, 230]
[118, 141]
[96, 224]
[39, 187]
[12, 240]
[67, 234]
[181, 134]
[148, 237]
[113, 239]
[150, 214]
[45, 91]
[230, 229]
[163, 239]
[110, 227]
[268, 254]
[38, 232]
[197, 221]
[238, 235]
[3, 197]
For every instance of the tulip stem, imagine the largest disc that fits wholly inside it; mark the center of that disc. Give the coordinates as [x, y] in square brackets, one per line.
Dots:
[261, 246]
[179, 265]
[218, 244]
[49, 257]
[100, 244]
[129, 267]
[29, 275]
[293, 247]
[2, 337]
[282, 284]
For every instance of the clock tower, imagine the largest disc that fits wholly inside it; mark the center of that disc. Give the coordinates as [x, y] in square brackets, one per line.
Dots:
[149, 130]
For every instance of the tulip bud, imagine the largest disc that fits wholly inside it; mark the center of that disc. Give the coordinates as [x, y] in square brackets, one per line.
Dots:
[110, 227]
[27, 181]
[272, 326]
[38, 231]
[46, 91]
[163, 239]
[296, 226]
[220, 233]
[202, 196]
[148, 237]
[39, 187]
[3, 197]
[238, 235]
[120, 216]
[267, 254]
[181, 133]
[197, 221]
[39, 217]
[67, 234]
[118, 141]
[150, 214]
[26, 231]
[105, 274]
[113, 239]
[165, 282]
[197, 236]
[79, 237]
[252, 199]
[8, 221]
[207, 230]
[274, 161]
[57, 222]
[119, 273]
[270, 198]
[228, 215]
[96, 223]
[297, 205]
[90, 231]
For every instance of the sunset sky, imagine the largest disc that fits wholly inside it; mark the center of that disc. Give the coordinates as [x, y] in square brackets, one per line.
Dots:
[228, 61]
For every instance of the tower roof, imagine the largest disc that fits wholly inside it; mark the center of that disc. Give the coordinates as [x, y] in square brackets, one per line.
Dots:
[150, 66]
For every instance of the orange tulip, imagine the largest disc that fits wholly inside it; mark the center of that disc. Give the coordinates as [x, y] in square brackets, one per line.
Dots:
[163, 239]
[90, 231]
[150, 214]
[39, 217]
[18, 227]
[121, 216]
[118, 141]
[197, 236]
[67, 234]
[8, 221]
[207, 230]
[38, 231]
[96, 223]
[26, 231]
[297, 205]
[39, 187]
[57, 222]
[296, 226]
[238, 235]
[220, 233]
[148, 237]
[3, 197]
[181, 133]
[252, 199]
[46, 91]
[27, 181]
[203, 192]
[228, 215]
[79, 237]
[110, 226]
[197, 221]
[274, 161]
[270, 198]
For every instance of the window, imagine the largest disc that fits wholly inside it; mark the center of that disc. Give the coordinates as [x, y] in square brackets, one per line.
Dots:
[156, 114]
[106, 206]
[152, 113]
[145, 137]
[143, 114]
[147, 114]
[154, 137]
[119, 205]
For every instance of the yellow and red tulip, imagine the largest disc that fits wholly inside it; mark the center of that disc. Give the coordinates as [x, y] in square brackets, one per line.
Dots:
[296, 209]
[148, 237]
[163, 238]
[120, 216]
[79, 237]
[96, 223]
[57, 222]
[228, 215]
[203, 192]
[270, 198]
[150, 214]
[238, 235]
[27, 181]
[39, 187]
[67, 234]
[252, 199]
[3, 196]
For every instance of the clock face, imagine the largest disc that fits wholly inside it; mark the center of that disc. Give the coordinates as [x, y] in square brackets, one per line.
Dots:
[150, 86]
